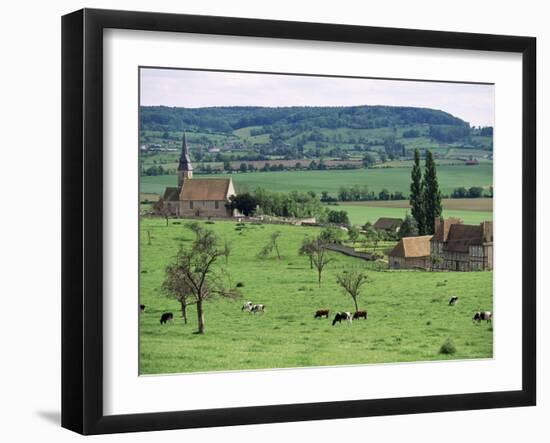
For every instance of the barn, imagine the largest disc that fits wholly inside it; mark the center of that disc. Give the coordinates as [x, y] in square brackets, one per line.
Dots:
[388, 224]
[461, 247]
[411, 253]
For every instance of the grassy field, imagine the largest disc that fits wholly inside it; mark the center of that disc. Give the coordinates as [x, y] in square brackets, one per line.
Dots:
[359, 214]
[394, 179]
[409, 317]
[457, 204]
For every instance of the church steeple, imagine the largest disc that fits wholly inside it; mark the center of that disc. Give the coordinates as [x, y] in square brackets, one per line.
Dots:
[185, 168]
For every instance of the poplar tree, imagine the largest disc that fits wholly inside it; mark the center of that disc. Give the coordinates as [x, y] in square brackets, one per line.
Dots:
[432, 195]
[416, 197]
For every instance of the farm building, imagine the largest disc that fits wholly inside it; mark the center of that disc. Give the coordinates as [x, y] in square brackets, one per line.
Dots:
[196, 197]
[388, 224]
[411, 253]
[459, 247]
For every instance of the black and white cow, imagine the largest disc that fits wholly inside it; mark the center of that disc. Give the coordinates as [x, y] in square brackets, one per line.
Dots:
[258, 308]
[342, 316]
[453, 300]
[166, 317]
[247, 306]
[483, 315]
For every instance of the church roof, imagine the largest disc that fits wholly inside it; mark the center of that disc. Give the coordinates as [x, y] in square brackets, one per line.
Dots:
[412, 247]
[171, 194]
[205, 189]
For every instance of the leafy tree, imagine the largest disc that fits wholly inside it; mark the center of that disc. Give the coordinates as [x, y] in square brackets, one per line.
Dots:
[195, 270]
[384, 194]
[475, 192]
[243, 167]
[331, 235]
[353, 233]
[460, 192]
[245, 203]
[338, 217]
[416, 196]
[351, 282]
[409, 228]
[432, 195]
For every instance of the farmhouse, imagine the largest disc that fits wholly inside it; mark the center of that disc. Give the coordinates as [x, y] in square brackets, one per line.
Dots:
[197, 197]
[411, 253]
[459, 247]
[388, 224]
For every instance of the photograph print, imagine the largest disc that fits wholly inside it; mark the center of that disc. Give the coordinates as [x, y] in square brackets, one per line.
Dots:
[295, 221]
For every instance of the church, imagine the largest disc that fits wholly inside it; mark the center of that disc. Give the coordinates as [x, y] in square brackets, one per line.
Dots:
[197, 197]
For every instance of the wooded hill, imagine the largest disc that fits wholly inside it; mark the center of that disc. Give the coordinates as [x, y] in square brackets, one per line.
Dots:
[228, 119]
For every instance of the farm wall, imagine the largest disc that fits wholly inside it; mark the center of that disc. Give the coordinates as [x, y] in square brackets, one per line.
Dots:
[395, 262]
[204, 208]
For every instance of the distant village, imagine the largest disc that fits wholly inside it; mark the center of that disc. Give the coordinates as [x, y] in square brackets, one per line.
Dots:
[454, 246]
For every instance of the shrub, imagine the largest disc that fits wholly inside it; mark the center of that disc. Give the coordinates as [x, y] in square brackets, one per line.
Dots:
[448, 347]
[240, 284]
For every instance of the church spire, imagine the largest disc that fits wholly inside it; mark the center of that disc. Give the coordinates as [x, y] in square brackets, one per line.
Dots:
[185, 168]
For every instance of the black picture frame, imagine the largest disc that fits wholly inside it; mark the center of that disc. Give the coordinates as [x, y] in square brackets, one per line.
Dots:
[82, 218]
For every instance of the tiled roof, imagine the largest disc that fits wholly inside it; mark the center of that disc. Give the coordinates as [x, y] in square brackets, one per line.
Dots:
[205, 189]
[412, 247]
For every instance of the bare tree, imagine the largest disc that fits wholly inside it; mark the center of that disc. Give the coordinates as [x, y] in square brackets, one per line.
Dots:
[351, 282]
[197, 269]
[307, 249]
[161, 208]
[227, 247]
[320, 257]
[176, 286]
[271, 245]
[196, 227]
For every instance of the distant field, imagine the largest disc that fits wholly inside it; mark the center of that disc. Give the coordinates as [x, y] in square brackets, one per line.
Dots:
[409, 315]
[393, 179]
[459, 204]
[360, 214]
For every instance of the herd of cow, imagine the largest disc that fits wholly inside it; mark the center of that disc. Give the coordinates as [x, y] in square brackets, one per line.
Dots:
[478, 316]
[338, 318]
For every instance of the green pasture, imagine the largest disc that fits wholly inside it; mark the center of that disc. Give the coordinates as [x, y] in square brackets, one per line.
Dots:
[360, 214]
[393, 179]
[409, 316]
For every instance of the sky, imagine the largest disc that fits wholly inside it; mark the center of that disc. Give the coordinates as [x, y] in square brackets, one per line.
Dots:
[473, 103]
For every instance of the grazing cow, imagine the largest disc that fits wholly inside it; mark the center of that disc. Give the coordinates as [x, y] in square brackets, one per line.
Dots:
[453, 300]
[142, 308]
[167, 316]
[258, 308]
[247, 306]
[342, 316]
[322, 313]
[483, 315]
[360, 314]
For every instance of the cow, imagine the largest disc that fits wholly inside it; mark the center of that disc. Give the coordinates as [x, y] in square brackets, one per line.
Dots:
[360, 314]
[453, 300]
[483, 315]
[167, 316]
[322, 313]
[142, 308]
[342, 316]
[258, 308]
[247, 306]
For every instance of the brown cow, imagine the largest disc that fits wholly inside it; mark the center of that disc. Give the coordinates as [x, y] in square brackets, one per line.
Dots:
[360, 314]
[322, 313]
